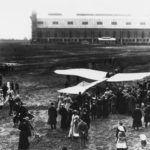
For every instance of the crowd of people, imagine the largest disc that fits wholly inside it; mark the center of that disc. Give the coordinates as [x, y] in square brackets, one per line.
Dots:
[8, 91]
[129, 100]
[20, 114]
[77, 112]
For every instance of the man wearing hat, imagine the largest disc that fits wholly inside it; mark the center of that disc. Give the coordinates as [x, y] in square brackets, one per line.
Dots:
[147, 115]
[93, 111]
[21, 112]
[83, 131]
[25, 132]
[64, 114]
[11, 103]
[137, 116]
[52, 115]
[86, 117]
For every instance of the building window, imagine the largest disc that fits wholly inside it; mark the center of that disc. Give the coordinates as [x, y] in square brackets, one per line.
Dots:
[114, 34]
[100, 34]
[106, 33]
[91, 33]
[55, 34]
[85, 23]
[121, 34]
[70, 34]
[40, 22]
[70, 22]
[99, 23]
[143, 35]
[39, 33]
[85, 34]
[135, 34]
[128, 34]
[128, 23]
[114, 23]
[77, 34]
[142, 23]
[55, 22]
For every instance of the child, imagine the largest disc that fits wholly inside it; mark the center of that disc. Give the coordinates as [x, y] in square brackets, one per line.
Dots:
[143, 141]
[121, 141]
[120, 128]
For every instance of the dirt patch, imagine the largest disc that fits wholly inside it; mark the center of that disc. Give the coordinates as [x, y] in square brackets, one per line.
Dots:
[37, 91]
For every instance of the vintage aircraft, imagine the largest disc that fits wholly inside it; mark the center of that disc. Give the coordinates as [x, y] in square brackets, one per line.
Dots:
[98, 77]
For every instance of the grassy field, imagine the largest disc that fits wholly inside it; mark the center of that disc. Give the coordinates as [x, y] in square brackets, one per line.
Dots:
[39, 85]
[39, 56]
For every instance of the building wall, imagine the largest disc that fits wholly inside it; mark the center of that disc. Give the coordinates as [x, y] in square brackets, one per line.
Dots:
[123, 36]
[82, 30]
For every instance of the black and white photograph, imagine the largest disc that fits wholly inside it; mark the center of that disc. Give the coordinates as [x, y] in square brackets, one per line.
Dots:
[75, 75]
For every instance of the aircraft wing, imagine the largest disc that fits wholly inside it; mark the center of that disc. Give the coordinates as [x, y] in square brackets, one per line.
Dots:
[81, 87]
[85, 73]
[120, 77]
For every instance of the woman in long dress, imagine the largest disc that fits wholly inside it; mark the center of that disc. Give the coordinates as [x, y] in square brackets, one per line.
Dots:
[73, 132]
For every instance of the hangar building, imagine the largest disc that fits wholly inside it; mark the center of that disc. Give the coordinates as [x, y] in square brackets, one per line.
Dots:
[82, 28]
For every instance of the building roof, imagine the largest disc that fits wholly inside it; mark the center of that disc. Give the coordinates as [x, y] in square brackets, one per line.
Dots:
[82, 20]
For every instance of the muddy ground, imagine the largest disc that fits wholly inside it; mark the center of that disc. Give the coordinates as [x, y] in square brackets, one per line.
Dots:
[37, 91]
[38, 87]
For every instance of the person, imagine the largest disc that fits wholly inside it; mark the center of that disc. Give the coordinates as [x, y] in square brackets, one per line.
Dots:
[4, 88]
[105, 102]
[25, 132]
[137, 116]
[120, 128]
[147, 115]
[143, 139]
[52, 115]
[17, 99]
[113, 100]
[99, 108]
[80, 99]
[64, 113]
[11, 104]
[16, 88]
[69, 118]
[86, 117]
[131, 103]
[12, 85]
[73, 132]
[121, 141]
[10, 91]
[93, 111]
[60, 101]
[21, 112]
[64, 148]
[83, 131]
[68, 102]
[1, 80]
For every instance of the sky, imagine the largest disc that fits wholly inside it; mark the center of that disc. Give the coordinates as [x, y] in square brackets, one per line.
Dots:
[15, 14]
